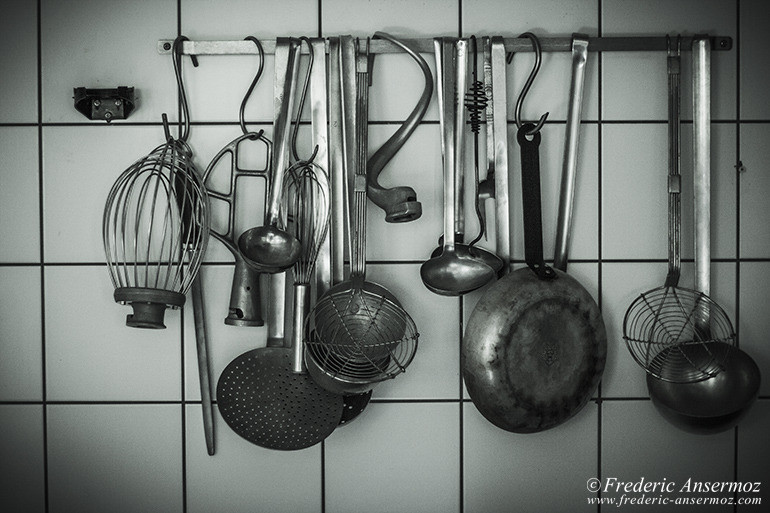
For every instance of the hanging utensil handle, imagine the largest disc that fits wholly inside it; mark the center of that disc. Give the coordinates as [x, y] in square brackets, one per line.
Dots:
[571, 145]
[348, 82]
[301, 308]
[336, 164]
[499, 129]
[201, 344]
[445, 71]
[276, 310]
[461, 79]
[358, 256]
[701, 95]
[674, 64]
[530, 188]
[287, 60]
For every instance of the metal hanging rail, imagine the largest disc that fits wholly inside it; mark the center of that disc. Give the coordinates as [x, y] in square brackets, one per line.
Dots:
[425, 45]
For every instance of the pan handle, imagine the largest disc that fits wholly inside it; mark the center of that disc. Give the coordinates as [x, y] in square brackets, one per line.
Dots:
[530, 189]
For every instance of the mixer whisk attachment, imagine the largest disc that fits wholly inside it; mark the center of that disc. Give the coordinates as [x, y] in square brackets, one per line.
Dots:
[153, 255]
[155, 224]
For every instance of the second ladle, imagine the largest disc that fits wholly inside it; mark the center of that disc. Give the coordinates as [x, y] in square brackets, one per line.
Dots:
[269, 248]
[457, 269]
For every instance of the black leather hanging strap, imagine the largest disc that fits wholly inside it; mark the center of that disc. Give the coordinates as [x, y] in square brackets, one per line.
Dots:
[530, 188]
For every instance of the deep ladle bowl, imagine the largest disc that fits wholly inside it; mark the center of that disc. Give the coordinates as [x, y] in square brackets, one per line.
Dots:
[712, 405]
[269, 248]
[456, 271]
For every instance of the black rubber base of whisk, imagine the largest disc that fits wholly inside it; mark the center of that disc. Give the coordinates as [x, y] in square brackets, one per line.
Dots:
[149, 305]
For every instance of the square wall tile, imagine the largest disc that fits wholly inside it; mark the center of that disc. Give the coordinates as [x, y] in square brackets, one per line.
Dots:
[637, 443]
[754, 190]
[21, 341]
[752, 454]
[635, 191]
[754, 322]
[622, 283]
[417, 165]
[80, 165]
[235, 19]
[19, 195]
[22, 474]
[435, 371]
[635, 82]
[242, 476]
[98, 44]
[504, 471]
[400, 18]
[755, 59]
[19, 62]
[121, 458]
[396, 457]
[91, 355]
[225, 343]
[549, 18]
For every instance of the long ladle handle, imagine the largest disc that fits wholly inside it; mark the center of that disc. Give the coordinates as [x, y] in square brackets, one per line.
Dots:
[530, 189]
[461, 79]
[287, 60]
[445, 71]
[349, 131]
[571, 144]
[358, 235]
[336, 164]
[701, 95]
[499, 130]
[674, 64]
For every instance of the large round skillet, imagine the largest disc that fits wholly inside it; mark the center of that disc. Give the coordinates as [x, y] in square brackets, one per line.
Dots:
[535, 345]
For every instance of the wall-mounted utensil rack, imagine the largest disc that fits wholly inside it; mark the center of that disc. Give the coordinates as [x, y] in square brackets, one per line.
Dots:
[425, 45]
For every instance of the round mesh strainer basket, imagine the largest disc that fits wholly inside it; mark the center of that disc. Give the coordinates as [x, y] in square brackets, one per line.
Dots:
[665, 328]
[358, 338]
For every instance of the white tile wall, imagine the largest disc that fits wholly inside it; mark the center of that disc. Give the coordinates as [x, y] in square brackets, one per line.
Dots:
[99, 417]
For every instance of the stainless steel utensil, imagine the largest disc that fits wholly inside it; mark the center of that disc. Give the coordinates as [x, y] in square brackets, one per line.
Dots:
[356, 335]
[399, 203]
[202, 352]
[535, 345]
[718, 403]
[458, 269]
[268, 247]
[662, 324]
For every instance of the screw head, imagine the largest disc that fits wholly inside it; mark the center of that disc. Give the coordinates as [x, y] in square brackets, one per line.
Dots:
[167, 46]
[118, 102]
[97, 102]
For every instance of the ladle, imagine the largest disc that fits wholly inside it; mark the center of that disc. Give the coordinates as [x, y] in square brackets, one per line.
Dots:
[457, 269]
[269, 248]
[720, 402]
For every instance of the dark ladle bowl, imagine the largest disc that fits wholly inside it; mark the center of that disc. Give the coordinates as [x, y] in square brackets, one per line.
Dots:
[452, 273]
[712, 405]
[269, 248]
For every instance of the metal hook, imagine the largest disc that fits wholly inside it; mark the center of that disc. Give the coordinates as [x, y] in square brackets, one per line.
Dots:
[538, 59]
[302, 104]
[177, 60]
[261, 52]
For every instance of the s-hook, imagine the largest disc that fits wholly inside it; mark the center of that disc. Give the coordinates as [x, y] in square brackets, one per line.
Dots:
[177, 60]
[520, 100]
[241, 116]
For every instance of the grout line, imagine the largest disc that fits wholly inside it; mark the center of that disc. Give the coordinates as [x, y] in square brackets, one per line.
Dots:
[600, 213]
[41, 220]
[460, 409]
[737, 215]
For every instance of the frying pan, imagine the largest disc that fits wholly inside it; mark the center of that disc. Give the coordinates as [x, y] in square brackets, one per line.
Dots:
[535, 344]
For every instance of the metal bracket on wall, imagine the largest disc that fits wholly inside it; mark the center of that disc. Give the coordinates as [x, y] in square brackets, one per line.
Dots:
[425, 45]
[104, 104]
